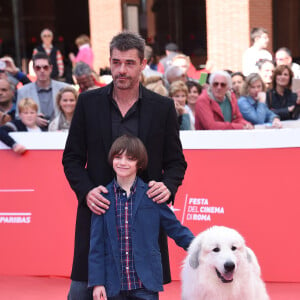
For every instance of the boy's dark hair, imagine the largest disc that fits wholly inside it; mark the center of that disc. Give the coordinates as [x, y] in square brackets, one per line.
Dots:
[125, 41]
[41, 55]
[133, 147]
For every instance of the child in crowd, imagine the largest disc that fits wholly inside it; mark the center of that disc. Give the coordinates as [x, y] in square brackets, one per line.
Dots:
[28, 109]
[124, 257]
[85, 52]
[179, 93]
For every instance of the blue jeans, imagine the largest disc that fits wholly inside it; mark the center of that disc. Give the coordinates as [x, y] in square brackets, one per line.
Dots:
[79, 291]
[139, 294]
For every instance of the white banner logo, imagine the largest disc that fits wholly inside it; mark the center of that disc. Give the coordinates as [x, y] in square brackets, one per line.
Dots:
[15, 218]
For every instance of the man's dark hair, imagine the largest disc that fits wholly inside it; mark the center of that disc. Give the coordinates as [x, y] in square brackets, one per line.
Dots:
[133, 147]
[41, 55]
[238, 73]
[125, 41]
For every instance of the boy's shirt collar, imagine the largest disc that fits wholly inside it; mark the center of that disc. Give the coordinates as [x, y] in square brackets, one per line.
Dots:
[119, 188]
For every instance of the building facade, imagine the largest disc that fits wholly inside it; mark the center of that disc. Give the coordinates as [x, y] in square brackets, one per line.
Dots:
[214, 30]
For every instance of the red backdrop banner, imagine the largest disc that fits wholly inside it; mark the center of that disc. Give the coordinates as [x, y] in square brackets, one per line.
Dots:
[253, 191]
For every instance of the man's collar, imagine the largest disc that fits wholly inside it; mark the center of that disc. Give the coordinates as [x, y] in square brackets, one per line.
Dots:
[48, 88]
[211, 95]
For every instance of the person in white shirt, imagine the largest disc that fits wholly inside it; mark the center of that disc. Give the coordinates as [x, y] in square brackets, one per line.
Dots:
[259, 37]
[283, 56]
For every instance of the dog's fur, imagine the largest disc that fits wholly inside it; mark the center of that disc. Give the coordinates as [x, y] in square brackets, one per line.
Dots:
[219, 266]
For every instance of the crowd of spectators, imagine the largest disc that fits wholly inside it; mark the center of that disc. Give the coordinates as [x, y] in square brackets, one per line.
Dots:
[260, 93]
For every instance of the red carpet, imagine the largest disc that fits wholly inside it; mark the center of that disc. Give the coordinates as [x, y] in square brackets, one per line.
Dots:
[52, 288]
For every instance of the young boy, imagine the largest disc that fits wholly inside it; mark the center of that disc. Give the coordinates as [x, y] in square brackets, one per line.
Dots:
[28, 109]
[259, 37]
[124, 257]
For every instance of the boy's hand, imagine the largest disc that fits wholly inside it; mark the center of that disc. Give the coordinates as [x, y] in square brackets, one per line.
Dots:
[18, 148]
[99, 293]
[158, 192]
[96, 202]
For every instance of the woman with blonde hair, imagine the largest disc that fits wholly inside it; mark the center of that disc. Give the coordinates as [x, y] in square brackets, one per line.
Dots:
[252, 103]
[178, 91]
[66, 100]
[85, 52]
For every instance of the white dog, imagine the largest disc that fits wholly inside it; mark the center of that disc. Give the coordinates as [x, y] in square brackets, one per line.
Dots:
[219, 266]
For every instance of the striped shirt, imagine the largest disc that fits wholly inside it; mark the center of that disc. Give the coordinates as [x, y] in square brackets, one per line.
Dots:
[124, 205]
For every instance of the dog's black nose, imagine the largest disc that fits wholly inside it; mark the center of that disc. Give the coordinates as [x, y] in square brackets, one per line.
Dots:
[229, 266]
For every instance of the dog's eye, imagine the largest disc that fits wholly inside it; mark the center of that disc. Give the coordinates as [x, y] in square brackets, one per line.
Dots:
[233, 248]
[217, 249]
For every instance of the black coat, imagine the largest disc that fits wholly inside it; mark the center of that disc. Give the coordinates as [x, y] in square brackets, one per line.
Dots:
[86, 166]
[279, 104]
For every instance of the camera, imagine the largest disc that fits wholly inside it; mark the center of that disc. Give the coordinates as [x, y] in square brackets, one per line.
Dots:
[45, 118]
[2, 65]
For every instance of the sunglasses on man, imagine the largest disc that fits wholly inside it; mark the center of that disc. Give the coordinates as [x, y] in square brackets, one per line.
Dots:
[38, 68]
[221, 84]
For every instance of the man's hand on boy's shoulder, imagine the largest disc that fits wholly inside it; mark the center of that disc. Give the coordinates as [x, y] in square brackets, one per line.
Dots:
[96, 202]
[158, 192]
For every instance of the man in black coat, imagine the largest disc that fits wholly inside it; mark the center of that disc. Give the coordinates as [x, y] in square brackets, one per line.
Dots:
[100, 117]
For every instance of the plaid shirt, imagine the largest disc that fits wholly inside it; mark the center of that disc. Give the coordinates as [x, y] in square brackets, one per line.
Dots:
[124, 205]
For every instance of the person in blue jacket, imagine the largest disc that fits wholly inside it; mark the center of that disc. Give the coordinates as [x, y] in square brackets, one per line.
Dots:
[252, 103]
[124, 258]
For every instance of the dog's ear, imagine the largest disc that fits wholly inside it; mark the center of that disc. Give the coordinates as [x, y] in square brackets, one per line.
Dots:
[251, 257]
[194, 258]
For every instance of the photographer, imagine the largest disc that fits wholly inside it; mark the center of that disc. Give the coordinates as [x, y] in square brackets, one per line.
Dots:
[8, 70]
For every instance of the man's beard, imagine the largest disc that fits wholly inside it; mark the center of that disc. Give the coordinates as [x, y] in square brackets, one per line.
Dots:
[123, 85]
